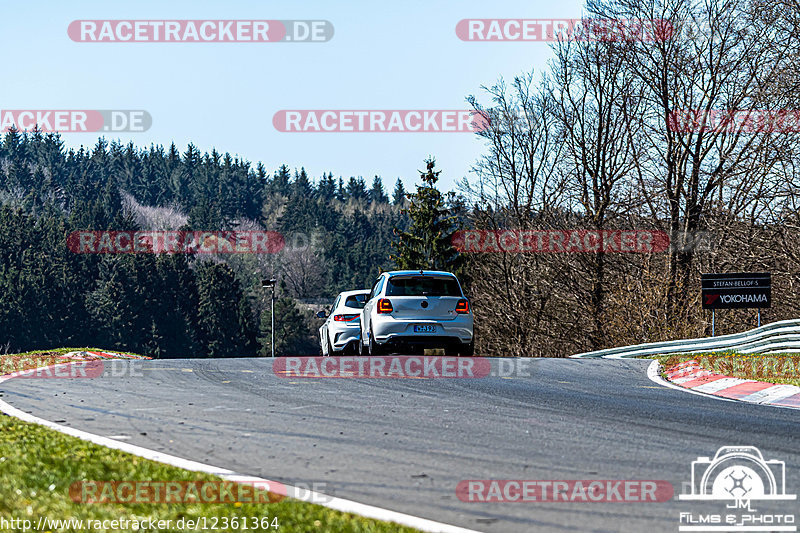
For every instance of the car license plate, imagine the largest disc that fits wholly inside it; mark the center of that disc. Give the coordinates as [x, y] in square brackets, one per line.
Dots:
[425, 328]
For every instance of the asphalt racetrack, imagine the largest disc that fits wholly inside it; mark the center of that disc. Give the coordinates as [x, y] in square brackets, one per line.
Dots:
[405, 444]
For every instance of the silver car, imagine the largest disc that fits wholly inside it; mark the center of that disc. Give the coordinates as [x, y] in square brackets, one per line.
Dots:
[341, 330]
[411, 310]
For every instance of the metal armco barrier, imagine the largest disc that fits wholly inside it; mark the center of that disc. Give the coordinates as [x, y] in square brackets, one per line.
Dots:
[783, 336]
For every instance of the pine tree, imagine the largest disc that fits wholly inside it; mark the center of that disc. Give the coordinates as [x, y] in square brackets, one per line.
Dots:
[174, 319]
[427, 243]
[301, 186]
[356, 188]
[340, 192]
[292, 335]
[280, 181]
[326, 190]
[399, 195]
[376, 193]
[224, 325]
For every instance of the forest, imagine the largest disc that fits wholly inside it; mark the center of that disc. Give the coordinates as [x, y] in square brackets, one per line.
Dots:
[336, 236]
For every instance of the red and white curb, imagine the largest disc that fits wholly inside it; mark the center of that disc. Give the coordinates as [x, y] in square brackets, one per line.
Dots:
[691, 376]
[339, 504]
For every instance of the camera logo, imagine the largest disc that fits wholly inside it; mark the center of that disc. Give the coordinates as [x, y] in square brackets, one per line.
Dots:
[738, 473]
[738, 476]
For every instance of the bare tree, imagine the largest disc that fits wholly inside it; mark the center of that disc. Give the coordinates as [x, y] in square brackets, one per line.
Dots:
[594, 97]
[302, 271]
[719, 56]
[518, 183]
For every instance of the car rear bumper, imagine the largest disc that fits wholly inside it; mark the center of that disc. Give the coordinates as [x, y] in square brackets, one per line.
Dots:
[414, 344]
[345, 337]
[388, 330]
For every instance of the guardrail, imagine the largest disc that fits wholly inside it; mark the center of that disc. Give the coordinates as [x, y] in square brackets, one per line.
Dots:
[783, 336]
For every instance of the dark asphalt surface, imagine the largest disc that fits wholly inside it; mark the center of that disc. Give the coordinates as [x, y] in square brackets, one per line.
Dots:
[404, 444]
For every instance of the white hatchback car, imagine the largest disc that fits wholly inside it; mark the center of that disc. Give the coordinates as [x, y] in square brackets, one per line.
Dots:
[341, 331]
[411, 310]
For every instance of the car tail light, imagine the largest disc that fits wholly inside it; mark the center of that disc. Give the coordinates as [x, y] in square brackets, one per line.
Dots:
[384, 306]
[462, 306]
[344, 318]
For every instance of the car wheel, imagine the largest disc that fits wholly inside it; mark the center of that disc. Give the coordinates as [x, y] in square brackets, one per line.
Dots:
[468, 350]
[330, 348]
[374, 347]
[362, 350]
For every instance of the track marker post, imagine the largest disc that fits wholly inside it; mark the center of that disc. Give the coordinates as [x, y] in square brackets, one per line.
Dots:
[270, 283]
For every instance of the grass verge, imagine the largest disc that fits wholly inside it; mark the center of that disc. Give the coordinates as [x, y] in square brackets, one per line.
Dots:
[773, 368]
[28, 360]
[38, 466]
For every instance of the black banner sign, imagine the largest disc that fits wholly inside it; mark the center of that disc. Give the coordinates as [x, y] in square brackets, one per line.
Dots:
[737, 291]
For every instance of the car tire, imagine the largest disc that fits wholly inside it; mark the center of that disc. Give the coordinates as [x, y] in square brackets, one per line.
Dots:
[330, 348]
[468, 350]
[374, 347]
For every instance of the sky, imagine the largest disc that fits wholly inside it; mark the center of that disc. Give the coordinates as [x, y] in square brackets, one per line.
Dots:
[382, 56]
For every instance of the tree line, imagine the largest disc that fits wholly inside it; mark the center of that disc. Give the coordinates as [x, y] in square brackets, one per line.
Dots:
[337, 236]
[620, 133]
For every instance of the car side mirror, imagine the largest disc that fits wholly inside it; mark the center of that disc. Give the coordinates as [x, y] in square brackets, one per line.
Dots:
[322, 314]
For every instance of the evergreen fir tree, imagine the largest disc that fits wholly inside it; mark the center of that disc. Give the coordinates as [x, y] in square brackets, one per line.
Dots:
[224, 325]
[427, 243]
[340, 191]
[399, 195]
[292, 335]
[376, 193]
[301, 185]
[326, 190]
[356, 188]
[280, 181]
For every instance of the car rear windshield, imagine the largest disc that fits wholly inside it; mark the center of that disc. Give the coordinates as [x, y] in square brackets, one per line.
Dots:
[356, 301]
[423, 286]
